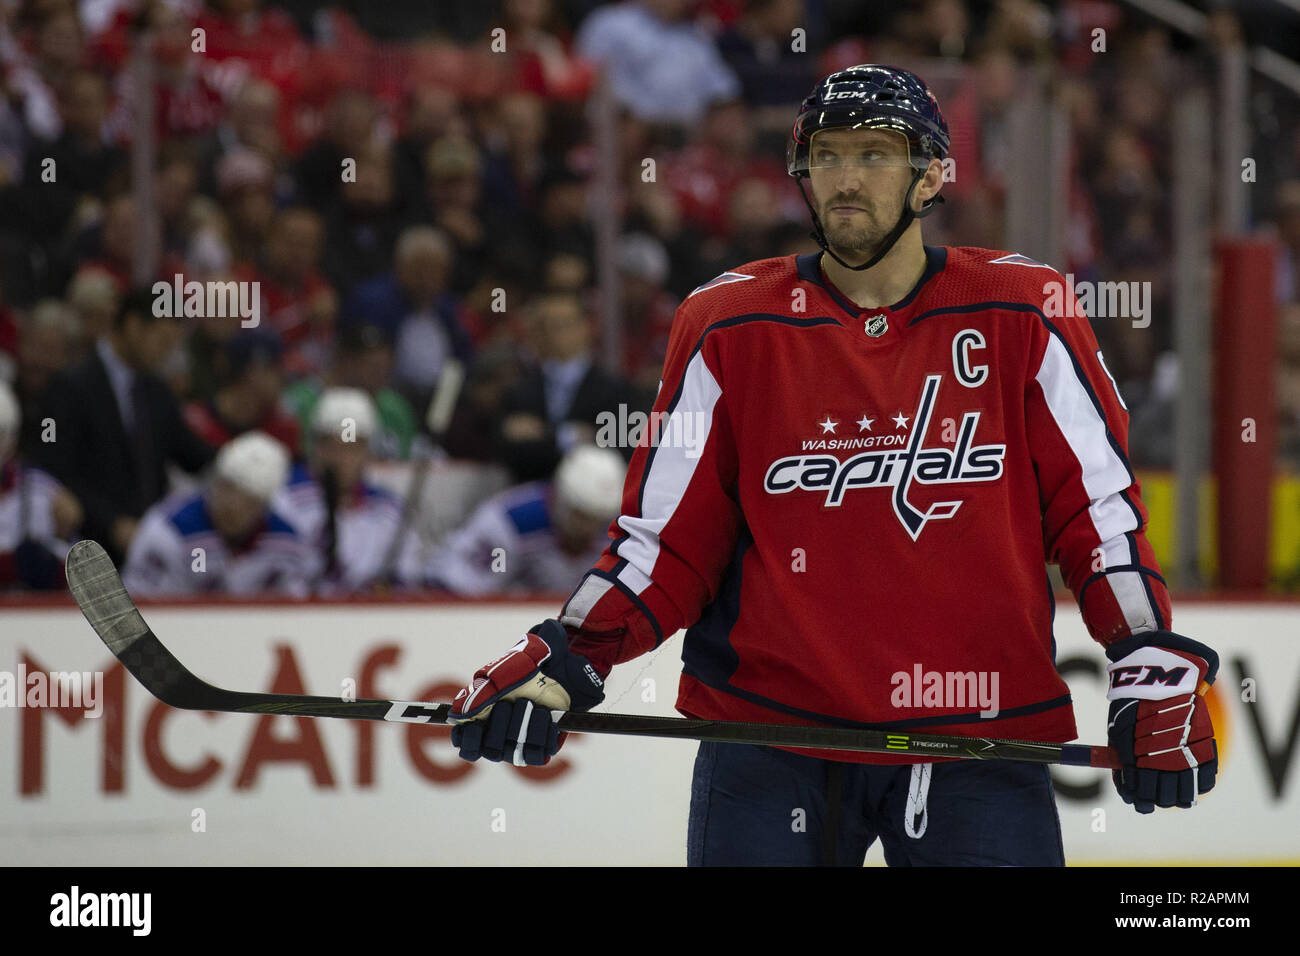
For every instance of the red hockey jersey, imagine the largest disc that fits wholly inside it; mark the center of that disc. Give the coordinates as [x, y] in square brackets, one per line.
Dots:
[842, 503]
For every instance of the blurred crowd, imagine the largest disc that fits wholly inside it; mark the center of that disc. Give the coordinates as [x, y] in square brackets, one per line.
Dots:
[410, 189]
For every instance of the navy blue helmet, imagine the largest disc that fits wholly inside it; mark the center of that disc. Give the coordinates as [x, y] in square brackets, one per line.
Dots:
[871, 97]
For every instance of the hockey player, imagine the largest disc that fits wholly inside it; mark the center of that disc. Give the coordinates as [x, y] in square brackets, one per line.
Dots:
[539, 536]
[37, 514]
[898, 438]
[348, 522]
[225, 539]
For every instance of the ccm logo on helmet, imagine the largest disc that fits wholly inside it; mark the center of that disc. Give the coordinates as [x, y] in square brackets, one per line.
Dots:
[1147, 675]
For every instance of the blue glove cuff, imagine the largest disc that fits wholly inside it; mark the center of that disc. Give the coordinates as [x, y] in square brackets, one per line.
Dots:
[572, 671]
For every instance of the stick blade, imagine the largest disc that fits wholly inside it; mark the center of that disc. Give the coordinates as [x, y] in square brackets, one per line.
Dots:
[100, 594]
[98, 591]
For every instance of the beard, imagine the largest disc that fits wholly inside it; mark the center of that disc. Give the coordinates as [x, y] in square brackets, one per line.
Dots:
[847, 239]
[858, 236]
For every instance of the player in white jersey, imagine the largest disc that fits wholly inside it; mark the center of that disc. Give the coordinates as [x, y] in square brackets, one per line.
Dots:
[227, 539]
[36, 512]
[534, 537]
[348, 522]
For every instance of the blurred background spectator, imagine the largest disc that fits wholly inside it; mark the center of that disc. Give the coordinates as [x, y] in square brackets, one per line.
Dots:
[225, 539]
[349, 524]
[116, 425]
[648, 308]
[248, 396]
[37, 514]
[52, 337]
[363, 359]
[662, 65]
[412, 306]
[297, 301]
[536, 536]
[561, 393]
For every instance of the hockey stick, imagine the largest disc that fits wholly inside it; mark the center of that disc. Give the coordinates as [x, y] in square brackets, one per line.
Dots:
[99, 593]
[437, 418]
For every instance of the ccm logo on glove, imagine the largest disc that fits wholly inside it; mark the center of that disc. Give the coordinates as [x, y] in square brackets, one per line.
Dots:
[1153, 673]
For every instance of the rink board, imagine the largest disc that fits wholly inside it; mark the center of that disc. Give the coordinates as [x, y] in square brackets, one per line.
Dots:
[145, 784]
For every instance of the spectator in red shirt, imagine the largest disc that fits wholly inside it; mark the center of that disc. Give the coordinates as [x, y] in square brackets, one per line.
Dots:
[541, 60]
[297, 301]
[266, 40]
[703, 174]
[186, 100]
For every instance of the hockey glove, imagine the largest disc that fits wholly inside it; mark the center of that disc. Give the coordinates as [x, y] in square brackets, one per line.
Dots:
[1159, 723]
[505, 712]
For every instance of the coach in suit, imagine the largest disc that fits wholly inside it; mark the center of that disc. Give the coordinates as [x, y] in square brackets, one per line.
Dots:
[117, 425]
[560, 396]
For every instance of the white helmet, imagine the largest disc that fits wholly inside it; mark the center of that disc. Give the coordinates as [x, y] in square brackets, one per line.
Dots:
[255, 462]
[11, 419]
[339, 406]
[590, 480]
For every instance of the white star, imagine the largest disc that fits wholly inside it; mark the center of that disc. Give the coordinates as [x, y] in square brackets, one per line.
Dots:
[900, 420]
[828, 425]
[864, 423]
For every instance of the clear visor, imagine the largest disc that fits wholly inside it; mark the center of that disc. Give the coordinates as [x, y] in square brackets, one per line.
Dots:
[861, 146]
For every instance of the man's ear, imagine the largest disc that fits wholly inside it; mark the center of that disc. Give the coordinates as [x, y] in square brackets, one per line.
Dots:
[931, 182]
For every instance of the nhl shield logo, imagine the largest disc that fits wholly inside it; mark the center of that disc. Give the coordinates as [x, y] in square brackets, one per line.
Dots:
[876, 325]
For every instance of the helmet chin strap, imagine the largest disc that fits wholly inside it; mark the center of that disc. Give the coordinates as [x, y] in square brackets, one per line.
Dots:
[904, 221]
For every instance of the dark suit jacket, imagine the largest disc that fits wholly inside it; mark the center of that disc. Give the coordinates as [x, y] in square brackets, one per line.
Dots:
[93, 455]
[598, 392]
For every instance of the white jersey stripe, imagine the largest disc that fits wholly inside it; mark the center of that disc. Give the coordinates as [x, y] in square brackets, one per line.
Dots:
[670, 472]
[589, 592]
[634, 578]
[1131, 594]
[1105, 476]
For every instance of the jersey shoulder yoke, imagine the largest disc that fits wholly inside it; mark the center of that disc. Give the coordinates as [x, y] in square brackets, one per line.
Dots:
[759, 287]
[747, 288]
[974, 274]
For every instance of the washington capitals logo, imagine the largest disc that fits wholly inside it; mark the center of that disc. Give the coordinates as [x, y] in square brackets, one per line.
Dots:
[897, 469]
